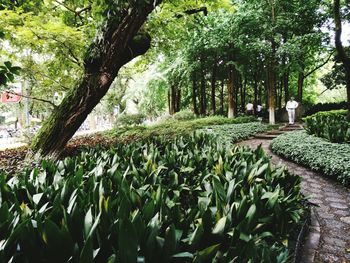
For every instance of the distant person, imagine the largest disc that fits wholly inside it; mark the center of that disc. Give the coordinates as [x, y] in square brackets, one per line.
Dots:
[290, 107]
[250, 108]
[258, 110]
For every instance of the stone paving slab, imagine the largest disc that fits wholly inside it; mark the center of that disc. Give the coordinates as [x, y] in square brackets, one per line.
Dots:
[332, 209]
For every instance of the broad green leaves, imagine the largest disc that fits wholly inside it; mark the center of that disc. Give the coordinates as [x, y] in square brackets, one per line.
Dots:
[8, 72]
[190, 199]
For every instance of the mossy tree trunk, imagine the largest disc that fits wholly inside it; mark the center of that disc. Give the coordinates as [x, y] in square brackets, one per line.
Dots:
[120, 43]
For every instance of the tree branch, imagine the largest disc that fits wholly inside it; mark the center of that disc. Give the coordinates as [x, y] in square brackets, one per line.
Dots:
[43, 75]
[77, 13]
[193, 11]
[33, 98]
[73, 58]
[319, 66]
[324, 91]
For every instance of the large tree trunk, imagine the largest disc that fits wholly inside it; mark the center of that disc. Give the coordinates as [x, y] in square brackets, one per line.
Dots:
[271, 84]
[301, 78]
[194, 95]
[286, 86]
[213, 83]
[203, 95]
[178, 100]
[255, 93]
[172, 96]
[231, 93]
[271, 93]
[119, 44]
[345, 59]
[222, 97]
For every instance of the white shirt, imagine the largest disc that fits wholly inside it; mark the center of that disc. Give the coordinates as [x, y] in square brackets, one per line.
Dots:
[249, 106]
[292, 105]
[258, 108]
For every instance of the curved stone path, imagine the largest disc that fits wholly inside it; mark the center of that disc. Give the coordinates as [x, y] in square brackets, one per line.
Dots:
[329, 238]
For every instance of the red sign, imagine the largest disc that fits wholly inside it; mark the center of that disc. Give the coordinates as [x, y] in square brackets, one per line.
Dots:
[7, 97]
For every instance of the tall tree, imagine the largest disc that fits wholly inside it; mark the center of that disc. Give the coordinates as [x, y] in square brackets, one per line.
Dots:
[119, 42]
[343, 56]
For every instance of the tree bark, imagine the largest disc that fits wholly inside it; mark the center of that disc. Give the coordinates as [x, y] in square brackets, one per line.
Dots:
[231, 93]
[213, 83]
[344, 58]
[194, 95]
[203, 97]
[172, 99]
[271, 93]
[301, 78]
[222, 98]
[255, 93]
[286, 86]
[178, 100]
[272, 72]
[120, 44]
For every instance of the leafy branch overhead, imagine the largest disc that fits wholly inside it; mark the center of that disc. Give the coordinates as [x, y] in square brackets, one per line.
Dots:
[8, 73]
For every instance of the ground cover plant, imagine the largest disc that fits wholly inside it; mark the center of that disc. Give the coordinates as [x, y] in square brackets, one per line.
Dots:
[172, 128]
[129, 119]
[331, 125]
[230, 133]
[187, 200]
[331, 159]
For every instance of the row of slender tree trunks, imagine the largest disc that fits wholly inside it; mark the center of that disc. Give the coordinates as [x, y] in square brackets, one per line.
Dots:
[229, 93]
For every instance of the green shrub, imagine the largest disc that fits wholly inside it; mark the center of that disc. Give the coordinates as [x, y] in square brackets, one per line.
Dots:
[326, 107]
[172, 128]
[129, 119]
[230, 133]
[331, 159]
[184, 115]
[189, 200]
[331, 125]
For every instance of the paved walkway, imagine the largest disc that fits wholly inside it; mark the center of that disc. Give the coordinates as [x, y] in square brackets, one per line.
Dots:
[330, 241]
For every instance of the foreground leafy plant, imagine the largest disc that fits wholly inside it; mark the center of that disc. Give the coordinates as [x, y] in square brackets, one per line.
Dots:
[331, 159]
[188, 200]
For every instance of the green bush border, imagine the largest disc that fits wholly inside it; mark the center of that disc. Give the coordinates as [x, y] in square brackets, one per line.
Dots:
[331, 159]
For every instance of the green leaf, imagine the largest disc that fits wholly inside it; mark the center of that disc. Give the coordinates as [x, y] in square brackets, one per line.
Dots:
[37, 198]
[8, 65]
[88, 220]
[207, 253]
[128, 243]
[220, 226]
[183, 255]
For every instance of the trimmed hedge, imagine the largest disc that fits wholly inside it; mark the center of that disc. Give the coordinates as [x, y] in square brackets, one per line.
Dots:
[326, 107]
[331, 125]
[188, 200]
[331, 159]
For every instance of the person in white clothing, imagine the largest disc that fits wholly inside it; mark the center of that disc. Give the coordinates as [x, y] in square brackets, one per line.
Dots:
[258, 110]
[250, 108]
[291, 106]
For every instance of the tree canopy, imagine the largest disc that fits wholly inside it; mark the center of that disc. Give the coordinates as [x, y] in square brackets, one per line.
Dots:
[212, 57]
